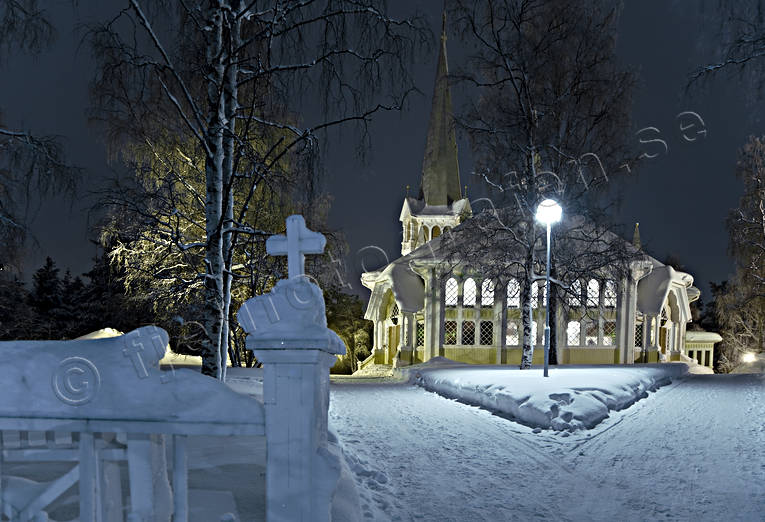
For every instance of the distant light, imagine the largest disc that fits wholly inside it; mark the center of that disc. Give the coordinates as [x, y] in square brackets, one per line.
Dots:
[549, 212]
[748, 357]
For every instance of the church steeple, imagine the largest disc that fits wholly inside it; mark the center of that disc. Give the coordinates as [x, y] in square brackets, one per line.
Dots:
[440, 206]
[440, 169]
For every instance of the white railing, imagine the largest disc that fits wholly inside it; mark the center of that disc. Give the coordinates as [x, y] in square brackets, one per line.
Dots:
[52, 389]
[82, 402]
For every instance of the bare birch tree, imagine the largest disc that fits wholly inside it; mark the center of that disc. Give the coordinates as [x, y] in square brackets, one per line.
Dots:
[548, 117]
[252, 85]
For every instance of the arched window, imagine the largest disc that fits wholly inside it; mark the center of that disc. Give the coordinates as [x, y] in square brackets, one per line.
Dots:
[468, 333]
[591, 333]
[609, 333]
[487, 292]
[572, 333]
[511, 334]
[513, 293]
[435, 232]
[593, 289]
[446, 229]
[450, 292]
[468, 292]
[609, 294]
[534, 295]
[575, 296]
[487, 333]
[450, 332]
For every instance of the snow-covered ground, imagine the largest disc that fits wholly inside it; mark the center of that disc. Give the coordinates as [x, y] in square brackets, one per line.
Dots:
[693, 450]
[570, 398]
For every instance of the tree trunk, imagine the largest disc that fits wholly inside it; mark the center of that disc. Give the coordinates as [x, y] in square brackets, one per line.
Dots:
[528, 343]
[213, 319]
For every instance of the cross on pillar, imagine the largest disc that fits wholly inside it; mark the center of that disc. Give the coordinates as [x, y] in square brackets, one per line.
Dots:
[297, 242]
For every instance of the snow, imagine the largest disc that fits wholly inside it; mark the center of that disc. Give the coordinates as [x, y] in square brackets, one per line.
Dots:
[170, 359]
[692, 450]
[93, 379]
[654, 288]
[571, 398]
[291, 316]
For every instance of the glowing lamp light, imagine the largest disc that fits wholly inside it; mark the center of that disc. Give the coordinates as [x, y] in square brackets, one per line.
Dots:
[748, 357]
[549, 212]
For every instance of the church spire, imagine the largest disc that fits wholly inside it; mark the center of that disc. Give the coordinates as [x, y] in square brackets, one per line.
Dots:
[440, 169]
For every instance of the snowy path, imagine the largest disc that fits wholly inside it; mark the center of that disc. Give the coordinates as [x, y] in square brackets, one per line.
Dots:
[694, 450]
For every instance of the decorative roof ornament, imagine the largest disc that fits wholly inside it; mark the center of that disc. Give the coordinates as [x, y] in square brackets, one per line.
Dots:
[636, 237]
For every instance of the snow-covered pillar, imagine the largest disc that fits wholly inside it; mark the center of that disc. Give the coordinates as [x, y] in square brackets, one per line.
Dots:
[287, 332]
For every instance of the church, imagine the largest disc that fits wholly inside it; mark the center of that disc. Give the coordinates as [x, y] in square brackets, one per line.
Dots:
[423, 307]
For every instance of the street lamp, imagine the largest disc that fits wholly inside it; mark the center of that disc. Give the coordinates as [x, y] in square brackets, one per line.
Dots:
[548, 212]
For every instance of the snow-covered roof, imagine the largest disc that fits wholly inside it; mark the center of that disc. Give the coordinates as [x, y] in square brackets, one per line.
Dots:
[408, 288]
[692, 336]
[654, 288]
[417, 207]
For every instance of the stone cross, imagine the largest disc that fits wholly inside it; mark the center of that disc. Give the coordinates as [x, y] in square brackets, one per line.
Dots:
[297, 242]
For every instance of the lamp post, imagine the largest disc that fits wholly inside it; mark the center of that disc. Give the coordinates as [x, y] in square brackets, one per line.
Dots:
[548, 212]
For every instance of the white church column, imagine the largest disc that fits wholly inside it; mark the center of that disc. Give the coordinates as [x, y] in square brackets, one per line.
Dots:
[407, 330]
[460, 309]
[477, 312]
[432, 315]
[386, 343]
[656, 330]
[628, 310]
[601, 309]
[625, 322]
[439, 310]
[499, 318]
[646, 332]
[377, 332]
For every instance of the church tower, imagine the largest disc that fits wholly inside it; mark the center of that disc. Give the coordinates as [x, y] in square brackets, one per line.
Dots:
[440, 204]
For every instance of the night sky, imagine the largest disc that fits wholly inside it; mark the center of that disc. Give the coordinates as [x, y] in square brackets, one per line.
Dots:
[680, 198]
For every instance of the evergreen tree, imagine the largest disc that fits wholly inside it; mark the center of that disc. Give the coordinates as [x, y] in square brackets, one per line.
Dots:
[15, 314]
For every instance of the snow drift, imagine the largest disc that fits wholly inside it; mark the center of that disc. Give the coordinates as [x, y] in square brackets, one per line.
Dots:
[571, 398]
